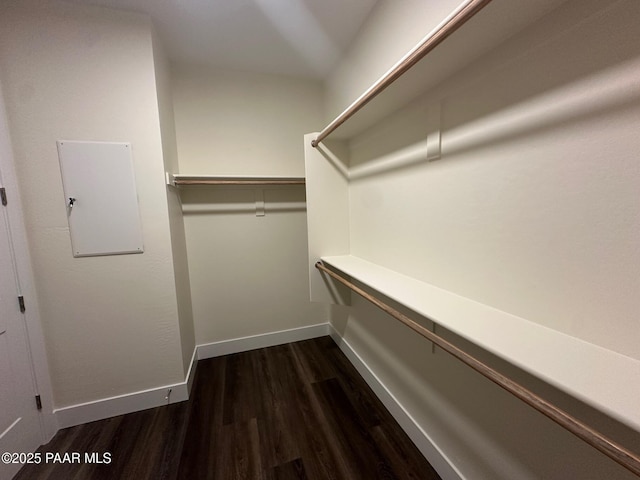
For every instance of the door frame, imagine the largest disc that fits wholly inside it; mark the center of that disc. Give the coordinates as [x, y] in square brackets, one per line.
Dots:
[26, 284]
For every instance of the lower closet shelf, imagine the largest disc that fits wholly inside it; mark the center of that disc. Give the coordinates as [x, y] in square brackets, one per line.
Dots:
[605, 379]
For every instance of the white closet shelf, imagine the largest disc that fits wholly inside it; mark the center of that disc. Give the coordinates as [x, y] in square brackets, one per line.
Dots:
[179, 179]
[602, 378]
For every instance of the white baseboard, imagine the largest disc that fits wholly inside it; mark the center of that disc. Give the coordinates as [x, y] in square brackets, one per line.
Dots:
[420, 438]
[191, 374]
[127, 403]
[244, 344]
[156, 397]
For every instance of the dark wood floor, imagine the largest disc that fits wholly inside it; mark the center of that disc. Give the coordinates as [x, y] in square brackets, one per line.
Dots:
[296, 411]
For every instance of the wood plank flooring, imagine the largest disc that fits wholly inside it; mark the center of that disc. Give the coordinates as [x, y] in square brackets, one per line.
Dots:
[292, 412]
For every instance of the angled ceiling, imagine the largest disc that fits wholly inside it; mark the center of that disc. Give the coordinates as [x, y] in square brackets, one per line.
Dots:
[292, 37]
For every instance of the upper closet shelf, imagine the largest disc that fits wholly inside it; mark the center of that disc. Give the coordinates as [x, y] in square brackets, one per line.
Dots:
[602, 378]
[487, 23]
[177, 180]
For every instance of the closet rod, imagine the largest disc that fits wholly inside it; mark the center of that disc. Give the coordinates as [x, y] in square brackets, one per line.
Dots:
[413, 57]
[613, 450]
[179, 182]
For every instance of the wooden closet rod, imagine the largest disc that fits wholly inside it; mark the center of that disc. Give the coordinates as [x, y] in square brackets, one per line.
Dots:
[179, 182]
[413, 57]
[613, 450]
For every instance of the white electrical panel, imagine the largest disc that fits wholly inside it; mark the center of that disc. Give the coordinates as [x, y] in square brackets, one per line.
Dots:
[100, 197]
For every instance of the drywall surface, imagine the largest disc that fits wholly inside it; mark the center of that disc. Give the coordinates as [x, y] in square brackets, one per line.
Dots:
[532, 208]
[327, 215]
[236, 123]
[248, 273]
[392, 29]
[176, 222]
[87, 74]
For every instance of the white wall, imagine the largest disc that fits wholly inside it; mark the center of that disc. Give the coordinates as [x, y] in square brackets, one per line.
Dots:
[176, 222]
[248, 274]
[111, 323]
[391, 30]
[532, 209]
[237, 123]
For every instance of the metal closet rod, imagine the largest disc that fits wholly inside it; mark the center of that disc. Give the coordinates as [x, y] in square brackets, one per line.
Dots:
[185, 182]
[420, 51]
[611, 449]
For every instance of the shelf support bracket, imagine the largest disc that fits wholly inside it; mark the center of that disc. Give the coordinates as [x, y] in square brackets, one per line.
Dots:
[170, 179]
